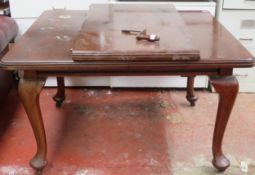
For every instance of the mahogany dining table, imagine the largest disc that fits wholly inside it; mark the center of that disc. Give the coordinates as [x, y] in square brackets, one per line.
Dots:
[46, 50]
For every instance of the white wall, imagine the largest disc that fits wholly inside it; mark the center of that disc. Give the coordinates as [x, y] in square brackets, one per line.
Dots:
[238, 16]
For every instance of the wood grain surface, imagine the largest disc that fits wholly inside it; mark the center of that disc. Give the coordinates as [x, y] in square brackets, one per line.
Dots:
[101, 38]
[47, 46]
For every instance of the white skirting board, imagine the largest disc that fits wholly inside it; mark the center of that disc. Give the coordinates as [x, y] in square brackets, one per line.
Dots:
[131, 81]
[79, 81]
[157, 81]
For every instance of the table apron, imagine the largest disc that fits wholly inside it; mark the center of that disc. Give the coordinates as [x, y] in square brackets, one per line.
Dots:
[137, 73]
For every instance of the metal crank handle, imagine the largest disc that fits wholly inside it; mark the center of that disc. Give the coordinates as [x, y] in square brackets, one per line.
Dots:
[151, 37]
[133, 31]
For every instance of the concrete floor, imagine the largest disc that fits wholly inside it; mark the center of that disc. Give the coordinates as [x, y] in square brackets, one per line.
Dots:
[127, 132]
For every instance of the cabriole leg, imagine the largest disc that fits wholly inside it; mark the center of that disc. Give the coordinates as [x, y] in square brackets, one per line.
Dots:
[29, 91]
[227, 87]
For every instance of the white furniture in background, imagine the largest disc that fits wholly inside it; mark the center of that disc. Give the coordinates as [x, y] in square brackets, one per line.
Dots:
[4, 8]
[25, 12]
[238, 4]
[238, 16]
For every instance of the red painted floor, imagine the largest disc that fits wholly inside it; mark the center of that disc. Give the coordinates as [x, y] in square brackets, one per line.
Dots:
[127, 132]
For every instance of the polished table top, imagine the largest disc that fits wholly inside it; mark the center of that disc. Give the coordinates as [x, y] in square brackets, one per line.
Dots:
[47, 45]
[101, 37]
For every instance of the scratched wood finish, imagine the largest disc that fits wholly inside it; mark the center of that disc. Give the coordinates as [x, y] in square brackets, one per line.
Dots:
[101, 38]
[49, 40]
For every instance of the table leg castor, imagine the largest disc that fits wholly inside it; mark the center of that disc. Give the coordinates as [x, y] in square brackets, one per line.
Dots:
[190, 91]
[59, 98]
